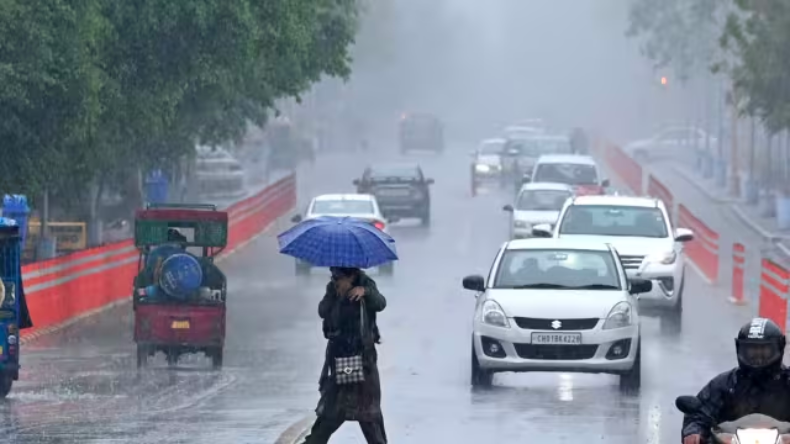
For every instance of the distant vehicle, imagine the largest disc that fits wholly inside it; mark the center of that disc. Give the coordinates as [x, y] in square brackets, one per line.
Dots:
[536, 203]
[642, 232]
[359, 206]
[487, 163]
[402, 191]
[556, 305]
[521, 153]
[673, 141]
[580, 172]
[421, 132]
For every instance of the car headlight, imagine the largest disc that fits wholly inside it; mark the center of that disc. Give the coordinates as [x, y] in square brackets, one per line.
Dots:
[665, 258]
[480, 168]
[620, 316]
[520, 224]
[494, 315]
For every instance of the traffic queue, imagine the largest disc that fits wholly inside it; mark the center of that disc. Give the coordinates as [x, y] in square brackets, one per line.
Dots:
[566, 293]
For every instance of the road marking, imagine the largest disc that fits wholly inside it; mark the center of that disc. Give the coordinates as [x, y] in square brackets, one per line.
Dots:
[297, 431]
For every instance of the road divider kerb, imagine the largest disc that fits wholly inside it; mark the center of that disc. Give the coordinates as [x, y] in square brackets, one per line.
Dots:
[296, 432]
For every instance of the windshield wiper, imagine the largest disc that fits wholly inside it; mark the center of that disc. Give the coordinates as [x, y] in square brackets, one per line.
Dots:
[539, 286]
[597, 287]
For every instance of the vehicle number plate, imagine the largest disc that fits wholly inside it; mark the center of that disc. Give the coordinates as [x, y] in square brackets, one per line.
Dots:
[394, 192]
[180, 325]
[557, 338]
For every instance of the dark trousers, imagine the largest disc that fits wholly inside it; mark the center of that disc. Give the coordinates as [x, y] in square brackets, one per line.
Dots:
[323, 428]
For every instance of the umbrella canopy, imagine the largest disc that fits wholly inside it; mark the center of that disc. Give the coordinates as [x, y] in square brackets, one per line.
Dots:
[338, 242]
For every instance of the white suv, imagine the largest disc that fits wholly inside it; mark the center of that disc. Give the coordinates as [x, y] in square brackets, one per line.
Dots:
[649, 247]
[556, 305]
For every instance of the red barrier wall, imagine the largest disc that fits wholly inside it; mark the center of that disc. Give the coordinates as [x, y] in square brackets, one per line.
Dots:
[773, 292]
[624, 166]
[657, 189]
[67, 287]
[704, 249]
[738, 264]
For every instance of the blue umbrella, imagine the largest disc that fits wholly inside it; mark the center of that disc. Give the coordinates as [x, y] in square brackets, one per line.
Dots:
[338, 242]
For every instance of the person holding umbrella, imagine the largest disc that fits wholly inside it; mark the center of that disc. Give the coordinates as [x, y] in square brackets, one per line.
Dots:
[349, 384]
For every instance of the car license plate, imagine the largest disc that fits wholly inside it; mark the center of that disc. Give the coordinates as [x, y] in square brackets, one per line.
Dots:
[557, 338]
[180, 325]
[394, 192]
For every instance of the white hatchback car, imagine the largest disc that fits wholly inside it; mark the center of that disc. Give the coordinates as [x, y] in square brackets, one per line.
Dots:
[556, 305]
[359, 206]
[649, 247]
[536, 203]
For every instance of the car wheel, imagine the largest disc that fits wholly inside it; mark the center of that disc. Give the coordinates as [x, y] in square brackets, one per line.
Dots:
[425, 219]
[387, 269]
[481, 378]
[672, 321]
[302, 268]
[631, 381]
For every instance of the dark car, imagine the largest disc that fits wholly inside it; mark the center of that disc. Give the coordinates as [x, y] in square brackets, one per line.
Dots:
[421, 132]
[402, 191]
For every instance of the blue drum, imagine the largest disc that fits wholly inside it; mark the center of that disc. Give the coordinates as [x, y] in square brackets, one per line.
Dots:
[181, 275]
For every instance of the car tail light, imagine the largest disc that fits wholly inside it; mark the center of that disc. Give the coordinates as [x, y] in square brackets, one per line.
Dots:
[378, 224]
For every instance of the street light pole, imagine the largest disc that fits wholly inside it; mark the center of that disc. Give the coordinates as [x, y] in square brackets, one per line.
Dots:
[735, 177]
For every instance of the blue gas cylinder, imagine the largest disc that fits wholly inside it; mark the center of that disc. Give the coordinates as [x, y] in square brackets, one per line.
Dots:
[181, 275]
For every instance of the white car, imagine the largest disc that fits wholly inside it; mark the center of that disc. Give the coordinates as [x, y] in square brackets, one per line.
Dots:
[536, 203]
[642, 232]
[673, 141]
[487, 163]
[359, 206]
[579, 171]
[556, 305]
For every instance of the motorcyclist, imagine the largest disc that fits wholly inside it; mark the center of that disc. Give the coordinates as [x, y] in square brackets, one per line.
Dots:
[760, 383]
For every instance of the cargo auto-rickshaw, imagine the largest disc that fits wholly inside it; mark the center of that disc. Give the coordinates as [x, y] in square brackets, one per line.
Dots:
[13, 312]
[179, 292]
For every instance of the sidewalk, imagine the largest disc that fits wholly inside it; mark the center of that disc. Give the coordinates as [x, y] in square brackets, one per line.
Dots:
[749, 215]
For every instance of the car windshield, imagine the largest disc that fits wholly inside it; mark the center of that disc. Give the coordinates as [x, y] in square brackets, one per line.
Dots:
[558, 269]
[542, 200]
[342, 207]
[612, 220]
[491, 148]
[395, 172]
[567, 173]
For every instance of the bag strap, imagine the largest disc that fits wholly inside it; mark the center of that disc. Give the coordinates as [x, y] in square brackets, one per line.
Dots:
[362, 320]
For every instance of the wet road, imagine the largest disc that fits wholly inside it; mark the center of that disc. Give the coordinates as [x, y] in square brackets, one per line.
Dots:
[80, 386]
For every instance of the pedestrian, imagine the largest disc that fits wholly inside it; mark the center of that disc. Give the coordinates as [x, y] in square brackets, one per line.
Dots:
[349, 383]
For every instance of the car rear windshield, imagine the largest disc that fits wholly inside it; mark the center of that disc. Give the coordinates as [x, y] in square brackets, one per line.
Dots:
[609, 220]
[542, 200]
[342, 207]
[558, 269]
[567, 173]
[395, 173]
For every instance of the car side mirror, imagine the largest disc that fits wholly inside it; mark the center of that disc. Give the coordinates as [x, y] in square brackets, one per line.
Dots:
[527, 178]
[542, 230]
[296, 219]
[639, 286]
[689, 405]
[355, 182]
[430, 181]
[683, 235]
[474, 282]
[508, 208]
[605, 183]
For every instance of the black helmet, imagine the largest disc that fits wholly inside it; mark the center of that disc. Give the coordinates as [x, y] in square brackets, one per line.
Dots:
[760, 345]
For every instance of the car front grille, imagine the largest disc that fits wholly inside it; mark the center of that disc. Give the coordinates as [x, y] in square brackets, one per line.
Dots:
[564, 324]
[555, 352]
[631, 262]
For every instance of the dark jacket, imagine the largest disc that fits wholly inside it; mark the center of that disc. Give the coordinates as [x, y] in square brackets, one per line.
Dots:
[341, 325]
[735, 394]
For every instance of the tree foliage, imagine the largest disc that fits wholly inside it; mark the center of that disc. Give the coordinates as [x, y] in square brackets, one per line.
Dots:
[758, 35]
[94, 89]
[677, 34]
